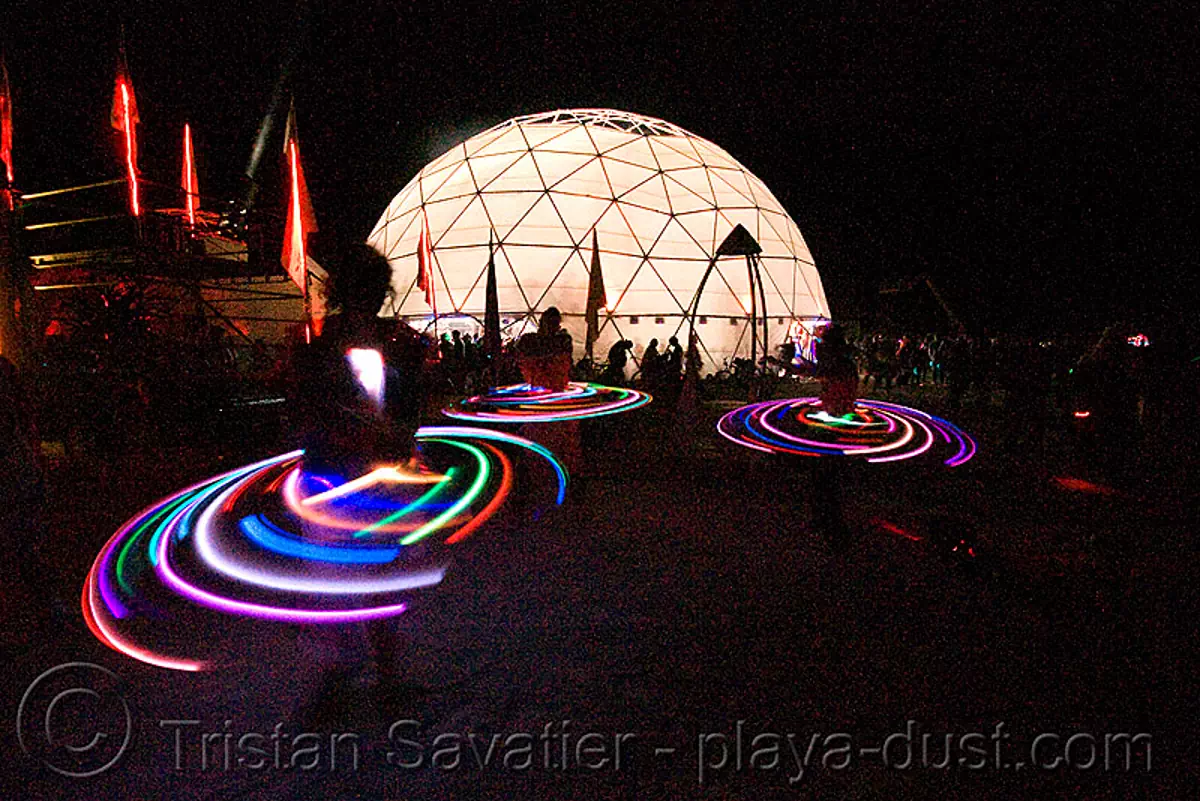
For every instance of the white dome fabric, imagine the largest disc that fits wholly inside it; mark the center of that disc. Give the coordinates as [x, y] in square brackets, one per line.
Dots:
[661, 201]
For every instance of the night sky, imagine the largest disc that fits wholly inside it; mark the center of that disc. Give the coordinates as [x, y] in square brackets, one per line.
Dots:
[1035, 161]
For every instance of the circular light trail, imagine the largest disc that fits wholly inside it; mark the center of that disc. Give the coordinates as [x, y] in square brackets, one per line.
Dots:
[876, 431]
[525, 403]
[269, 541]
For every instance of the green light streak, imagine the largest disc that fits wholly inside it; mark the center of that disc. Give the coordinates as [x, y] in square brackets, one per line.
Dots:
[165, 511]
[471, 494]
[417, 504]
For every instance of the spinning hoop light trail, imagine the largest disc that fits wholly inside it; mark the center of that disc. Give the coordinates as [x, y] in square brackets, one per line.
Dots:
[269, 542]
[525, 403]
[876, 431]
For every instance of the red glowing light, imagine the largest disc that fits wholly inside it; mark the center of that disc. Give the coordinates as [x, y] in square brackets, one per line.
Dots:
[891, 527]
[1079, 485]
[6, 129]
[190, 188]
[487, 511]
[130, 150]
[297, 219]
[1083, 415]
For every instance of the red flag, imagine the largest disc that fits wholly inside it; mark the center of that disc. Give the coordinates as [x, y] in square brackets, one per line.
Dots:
[125, 119]
[6, 129]
[425, 266]
[300, 218]
[191, 186]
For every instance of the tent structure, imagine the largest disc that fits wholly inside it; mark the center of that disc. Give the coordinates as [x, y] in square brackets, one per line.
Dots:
[660, 199]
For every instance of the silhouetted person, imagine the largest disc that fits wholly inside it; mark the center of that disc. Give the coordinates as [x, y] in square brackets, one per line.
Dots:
[652, 366]
[545, 359]
[545, 356]
[618, 357]
[349, 423]
[342, 426]
[674, 358]
[837, 372]
[460, 348]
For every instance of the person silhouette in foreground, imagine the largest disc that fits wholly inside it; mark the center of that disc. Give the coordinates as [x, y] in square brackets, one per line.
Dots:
[357, 396]
[359, 386]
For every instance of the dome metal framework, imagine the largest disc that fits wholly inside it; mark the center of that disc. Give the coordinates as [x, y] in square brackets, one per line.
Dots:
[659, 199]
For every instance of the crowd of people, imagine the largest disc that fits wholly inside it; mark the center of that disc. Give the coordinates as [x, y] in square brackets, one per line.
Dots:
[961, 362]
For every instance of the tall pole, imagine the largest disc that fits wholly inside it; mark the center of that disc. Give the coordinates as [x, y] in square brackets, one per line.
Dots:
[753, 318]
[762, 296]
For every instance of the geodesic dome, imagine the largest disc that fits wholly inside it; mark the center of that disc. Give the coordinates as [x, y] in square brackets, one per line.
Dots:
[660, 199]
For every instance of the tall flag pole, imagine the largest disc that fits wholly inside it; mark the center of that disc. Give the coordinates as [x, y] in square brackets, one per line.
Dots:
[300, 220]
[191, 186]
[125, 119]
[597, 299]
[425, 269]
[6, 130]
[491, 311]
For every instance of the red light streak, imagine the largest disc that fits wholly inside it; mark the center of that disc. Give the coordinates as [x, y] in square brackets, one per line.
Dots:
[889, 526]
[134, 204]
[297, 220]
[494, 504]
[189, 171]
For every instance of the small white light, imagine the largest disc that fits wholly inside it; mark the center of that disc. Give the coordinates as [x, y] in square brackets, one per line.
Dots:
[367, 365]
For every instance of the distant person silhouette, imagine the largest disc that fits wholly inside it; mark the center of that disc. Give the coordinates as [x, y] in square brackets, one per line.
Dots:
[618, 357]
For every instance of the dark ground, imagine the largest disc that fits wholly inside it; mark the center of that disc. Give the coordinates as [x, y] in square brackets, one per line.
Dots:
[682, 591]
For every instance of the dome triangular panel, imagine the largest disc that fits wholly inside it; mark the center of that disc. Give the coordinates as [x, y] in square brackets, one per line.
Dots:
[636, 152]
[522, 176]
[485, 169]
[574, 140]
[541, 137]
[541, 226]
[455, 181]
[683, 199]
[669, 158]
[650, 194]
[511, 141]
[554, 167]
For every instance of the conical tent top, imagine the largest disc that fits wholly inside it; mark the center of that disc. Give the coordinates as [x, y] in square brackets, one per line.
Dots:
[739, 243]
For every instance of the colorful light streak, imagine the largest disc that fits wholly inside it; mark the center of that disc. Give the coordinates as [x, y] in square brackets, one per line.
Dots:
[262, 531]
[524, 403]
[191, 191]
[205, 547]
[877, 431]
[134, 202]
[381, 475]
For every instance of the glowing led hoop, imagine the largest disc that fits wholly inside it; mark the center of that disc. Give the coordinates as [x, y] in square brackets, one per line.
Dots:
[523, 403]
[454, 504]
[877, 431]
